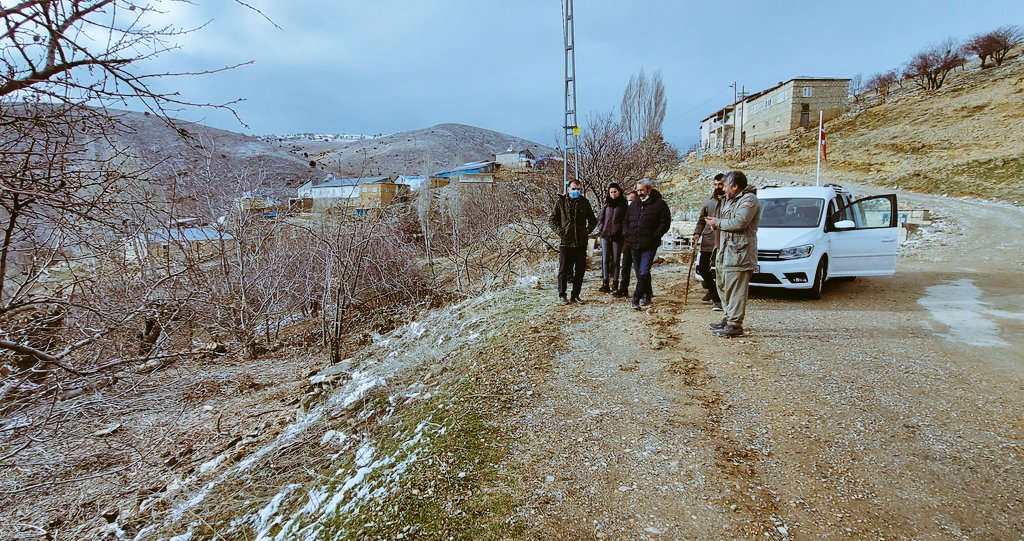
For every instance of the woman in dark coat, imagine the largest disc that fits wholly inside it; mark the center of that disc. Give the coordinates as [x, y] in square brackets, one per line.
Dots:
[609, 227]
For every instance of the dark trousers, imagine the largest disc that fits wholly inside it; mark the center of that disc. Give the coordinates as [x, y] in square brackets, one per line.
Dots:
[708, 275]
[625, 269]
[642, 262]
[572, 262]
[611, 252]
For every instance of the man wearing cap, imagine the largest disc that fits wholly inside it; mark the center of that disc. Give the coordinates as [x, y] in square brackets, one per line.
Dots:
[707, 237]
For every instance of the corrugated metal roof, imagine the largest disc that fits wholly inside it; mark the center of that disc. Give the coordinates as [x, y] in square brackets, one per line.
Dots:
[473, 166]
[339, 182]
[187, 234]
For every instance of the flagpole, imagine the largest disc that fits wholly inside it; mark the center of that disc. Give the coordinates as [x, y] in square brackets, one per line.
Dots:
[817, 177]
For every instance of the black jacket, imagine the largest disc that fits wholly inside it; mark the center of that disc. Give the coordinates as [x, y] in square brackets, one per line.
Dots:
[573, 220]
[646, 223]
[609, 225]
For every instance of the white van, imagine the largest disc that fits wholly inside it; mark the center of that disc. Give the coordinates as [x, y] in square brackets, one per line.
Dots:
[809, 234]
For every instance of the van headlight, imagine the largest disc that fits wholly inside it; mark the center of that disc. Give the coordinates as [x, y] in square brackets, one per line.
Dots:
[796, 252]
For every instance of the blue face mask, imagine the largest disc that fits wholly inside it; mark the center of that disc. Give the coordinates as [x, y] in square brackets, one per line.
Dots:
[575, 194]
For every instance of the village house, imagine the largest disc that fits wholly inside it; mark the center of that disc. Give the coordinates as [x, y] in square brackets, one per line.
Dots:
[774, 112]
[255, 201]
[378, 194]
[181, 240]
[474, 173]
[414, 182]
[356, 194]
[515, 159]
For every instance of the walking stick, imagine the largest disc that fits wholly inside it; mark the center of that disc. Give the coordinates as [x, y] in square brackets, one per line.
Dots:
[689, 272]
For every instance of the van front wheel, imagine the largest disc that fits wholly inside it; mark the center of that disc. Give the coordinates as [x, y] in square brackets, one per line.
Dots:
[820, 276]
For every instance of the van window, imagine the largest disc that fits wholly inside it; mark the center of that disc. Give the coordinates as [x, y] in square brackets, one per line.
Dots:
[791, 212]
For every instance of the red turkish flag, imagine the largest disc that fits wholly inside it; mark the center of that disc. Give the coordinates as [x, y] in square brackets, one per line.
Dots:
[824, 147]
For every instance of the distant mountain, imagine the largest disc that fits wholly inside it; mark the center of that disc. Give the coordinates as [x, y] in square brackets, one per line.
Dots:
[417, 152]
[189, 150]
[288, 161]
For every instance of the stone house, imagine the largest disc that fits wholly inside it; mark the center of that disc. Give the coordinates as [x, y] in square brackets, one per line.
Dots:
[775, 112]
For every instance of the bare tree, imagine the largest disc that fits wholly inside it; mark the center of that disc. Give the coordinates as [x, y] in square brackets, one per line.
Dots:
[607, 155]
[1004, 39]
[643, 107]
[930, 67]
[880, 82]
[76, 309]
[856, 87]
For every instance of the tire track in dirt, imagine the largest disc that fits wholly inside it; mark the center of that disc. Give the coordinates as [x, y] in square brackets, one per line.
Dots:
[744, 492]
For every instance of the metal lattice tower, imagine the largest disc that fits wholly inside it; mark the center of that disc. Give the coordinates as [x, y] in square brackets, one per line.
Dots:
[570, 125]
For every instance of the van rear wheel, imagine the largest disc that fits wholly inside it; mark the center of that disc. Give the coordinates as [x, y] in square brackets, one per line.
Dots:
[820, 276]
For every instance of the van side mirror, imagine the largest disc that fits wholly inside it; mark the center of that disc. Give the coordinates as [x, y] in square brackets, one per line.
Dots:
[844, 225]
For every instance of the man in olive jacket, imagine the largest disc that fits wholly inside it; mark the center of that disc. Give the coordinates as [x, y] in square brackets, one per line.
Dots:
[647, 220]
[572, 219]
[736, 259]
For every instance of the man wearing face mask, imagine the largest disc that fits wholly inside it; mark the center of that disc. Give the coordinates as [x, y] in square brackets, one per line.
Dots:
[708, 237]
[572, 219]
[647, 220]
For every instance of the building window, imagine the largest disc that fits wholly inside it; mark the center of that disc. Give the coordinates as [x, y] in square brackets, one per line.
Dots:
[767, 103]
[808, 92]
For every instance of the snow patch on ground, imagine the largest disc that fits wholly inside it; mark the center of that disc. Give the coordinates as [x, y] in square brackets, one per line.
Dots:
[426, 342]
[958, 306]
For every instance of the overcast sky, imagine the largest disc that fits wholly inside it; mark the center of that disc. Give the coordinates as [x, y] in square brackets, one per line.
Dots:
[385, 66]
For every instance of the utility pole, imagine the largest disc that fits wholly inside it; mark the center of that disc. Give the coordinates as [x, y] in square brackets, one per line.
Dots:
[743, 106]
[821, 126]
[734, 115]
[571, 126]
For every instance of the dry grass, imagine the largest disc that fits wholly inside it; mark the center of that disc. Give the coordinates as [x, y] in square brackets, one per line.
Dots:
[959, 140]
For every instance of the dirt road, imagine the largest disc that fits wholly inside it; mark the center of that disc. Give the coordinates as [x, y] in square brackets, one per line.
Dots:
[893, 408]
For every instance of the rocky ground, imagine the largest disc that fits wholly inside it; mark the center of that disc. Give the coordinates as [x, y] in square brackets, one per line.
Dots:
[890, 409]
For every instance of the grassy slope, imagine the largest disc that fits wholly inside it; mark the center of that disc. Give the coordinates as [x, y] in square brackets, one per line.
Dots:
[963, 139]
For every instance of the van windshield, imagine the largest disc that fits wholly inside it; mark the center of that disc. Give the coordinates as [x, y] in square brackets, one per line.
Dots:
[791, 212]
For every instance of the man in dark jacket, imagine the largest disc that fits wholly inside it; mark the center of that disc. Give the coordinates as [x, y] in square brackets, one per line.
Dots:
[572, 219]
[707, 237]
[647, 220]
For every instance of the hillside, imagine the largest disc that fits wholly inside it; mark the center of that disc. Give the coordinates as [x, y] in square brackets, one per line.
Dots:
[962, 139]
[286, 160]
[195, 146]
[416, 152]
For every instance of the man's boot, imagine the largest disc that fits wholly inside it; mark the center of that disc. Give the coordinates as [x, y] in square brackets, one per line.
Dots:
[730, 331]
[604, 286]
[715, 325]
